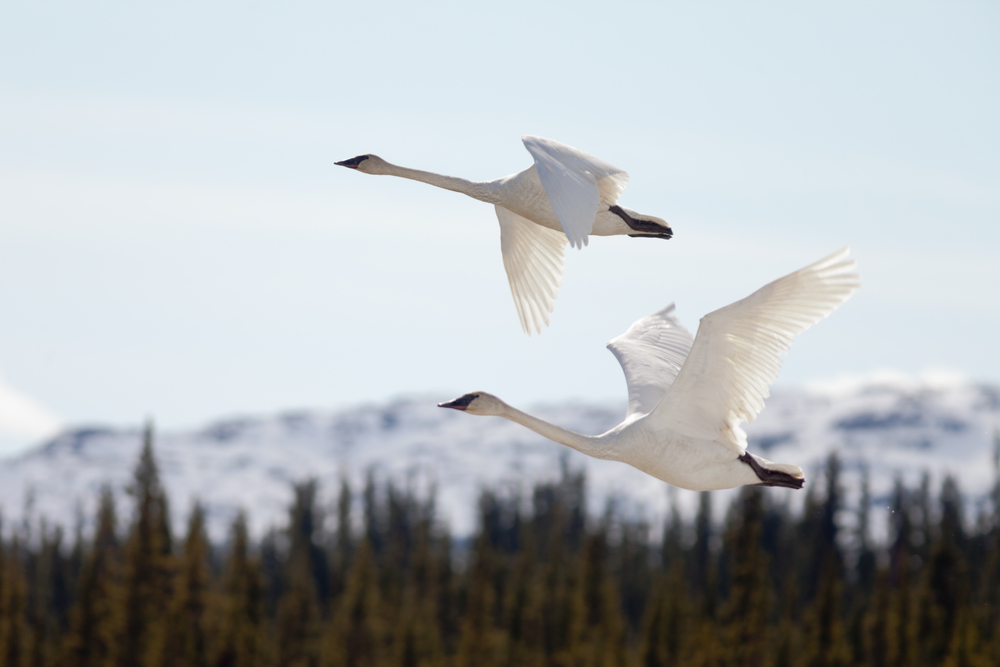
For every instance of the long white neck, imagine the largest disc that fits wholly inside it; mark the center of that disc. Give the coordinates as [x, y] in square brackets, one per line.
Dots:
[486, 192]
[591, 445]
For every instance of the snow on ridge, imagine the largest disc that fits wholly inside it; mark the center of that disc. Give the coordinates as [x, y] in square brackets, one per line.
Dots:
[930, 379]
[892, 428]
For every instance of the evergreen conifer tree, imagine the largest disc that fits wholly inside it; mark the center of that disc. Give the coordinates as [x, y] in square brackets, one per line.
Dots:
[702, 572]
[877, 639]
[864, 576]
[355, 637]
[965, 648]
[299, 610]
[748, 608]
[901, 645]
[371, 510]
[553, 531]
[443, 593]
[633, 570]
[272, 571]
[672, 532]
[15, 635]
[343, 547]
[921, 506]
[298, 616]
[825, 641]
[3, 592]
[241, 613]
[665, 625]
[944, 585]
[788, 647]
[417, 640]
[929, 643]
[184, 640]
[991, 577]
[479, 643]
[828, 552]
[523, 609]
[145, 591]
[306, 520]
[74, 563]
[400, 518]
[705, 641]
[48, 597]
[665, 616]
[91, 629]
[597, 626]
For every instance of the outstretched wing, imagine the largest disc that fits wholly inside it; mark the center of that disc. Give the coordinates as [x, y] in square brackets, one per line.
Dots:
[651, 353]
[534, 257]
[575, 183]
[737, 351]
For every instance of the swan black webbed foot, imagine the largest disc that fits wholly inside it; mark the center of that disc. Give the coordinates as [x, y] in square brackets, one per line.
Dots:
[771, 477]
[651, 229]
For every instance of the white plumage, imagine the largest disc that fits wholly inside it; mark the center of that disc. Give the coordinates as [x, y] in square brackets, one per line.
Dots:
[687, 397]
[565, 195]
[576, 183]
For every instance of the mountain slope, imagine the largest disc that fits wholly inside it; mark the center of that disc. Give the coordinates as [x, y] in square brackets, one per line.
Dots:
[894, 427]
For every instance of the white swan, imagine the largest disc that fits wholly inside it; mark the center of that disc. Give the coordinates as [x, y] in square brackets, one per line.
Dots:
[566, 194]
[686, 398]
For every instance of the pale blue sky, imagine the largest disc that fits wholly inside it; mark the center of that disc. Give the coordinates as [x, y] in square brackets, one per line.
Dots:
[175, 240]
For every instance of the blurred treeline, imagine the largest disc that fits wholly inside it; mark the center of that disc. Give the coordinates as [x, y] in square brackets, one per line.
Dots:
[541, 583]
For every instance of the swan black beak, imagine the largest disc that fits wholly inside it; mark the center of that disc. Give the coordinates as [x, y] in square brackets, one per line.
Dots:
[460, 403]
[664, 235]
[353, 162]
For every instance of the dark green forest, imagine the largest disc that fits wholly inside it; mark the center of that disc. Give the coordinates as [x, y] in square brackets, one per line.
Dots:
[540, 583]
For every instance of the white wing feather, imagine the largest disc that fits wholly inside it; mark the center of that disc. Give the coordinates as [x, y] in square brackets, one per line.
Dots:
[651, 353]
[534, 257]
[737, 351]
[575, 183]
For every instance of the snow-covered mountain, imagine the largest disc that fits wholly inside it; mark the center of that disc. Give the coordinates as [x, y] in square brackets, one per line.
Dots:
[892, 425]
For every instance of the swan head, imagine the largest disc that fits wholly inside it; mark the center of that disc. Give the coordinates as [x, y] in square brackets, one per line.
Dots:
[368, 164]
[476, 403]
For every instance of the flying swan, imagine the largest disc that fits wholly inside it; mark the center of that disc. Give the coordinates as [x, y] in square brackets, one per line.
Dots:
[566, 194]
[686, 398]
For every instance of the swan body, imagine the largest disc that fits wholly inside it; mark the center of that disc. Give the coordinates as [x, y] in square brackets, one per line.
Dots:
[565, 195]
[688, 396]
